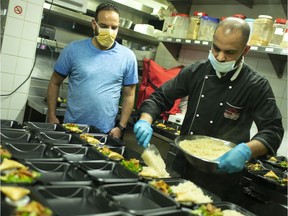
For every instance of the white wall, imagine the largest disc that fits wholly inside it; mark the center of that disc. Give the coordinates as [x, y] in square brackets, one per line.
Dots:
[17, 54]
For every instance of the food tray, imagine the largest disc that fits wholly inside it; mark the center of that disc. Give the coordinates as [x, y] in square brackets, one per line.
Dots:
[11, 124]
[258, 176]
[58, 138]
[53, 172]
[74, 200]
[170, 133]
[177, 212]
[8, 209]
[126, 152]
[86, 129]
[29, 151]
[103, 172]
[229, 206]
[112, 141]
[277, 164]
[175, 182]
[13, 136]
[173, 174]
[76, 153]
[43, 126]
[138, 198]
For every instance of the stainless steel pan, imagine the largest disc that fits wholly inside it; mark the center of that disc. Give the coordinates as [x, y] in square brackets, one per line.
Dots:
[200, 163]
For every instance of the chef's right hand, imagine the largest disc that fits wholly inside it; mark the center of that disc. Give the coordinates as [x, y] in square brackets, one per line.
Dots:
[143, 132]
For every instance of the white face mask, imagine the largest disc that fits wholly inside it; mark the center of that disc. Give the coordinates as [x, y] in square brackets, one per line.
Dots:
[222, 67]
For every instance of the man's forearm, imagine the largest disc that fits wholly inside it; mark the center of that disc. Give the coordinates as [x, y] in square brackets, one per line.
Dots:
[127, 108]
[52, 95]
[257, 148]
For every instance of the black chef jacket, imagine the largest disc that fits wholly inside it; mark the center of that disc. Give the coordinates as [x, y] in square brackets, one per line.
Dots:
[222, 108]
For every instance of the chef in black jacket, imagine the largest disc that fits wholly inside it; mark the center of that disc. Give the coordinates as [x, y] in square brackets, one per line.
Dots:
[225, 97]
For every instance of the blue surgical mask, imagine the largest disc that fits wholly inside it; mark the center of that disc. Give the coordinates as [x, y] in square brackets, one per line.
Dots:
[222, 67]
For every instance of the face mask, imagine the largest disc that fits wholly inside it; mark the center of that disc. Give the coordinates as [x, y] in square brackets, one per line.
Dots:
[106, 36]
[223, 67]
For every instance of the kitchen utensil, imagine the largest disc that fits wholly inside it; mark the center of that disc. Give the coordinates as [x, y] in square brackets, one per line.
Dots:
[152, 158]
[202, 164]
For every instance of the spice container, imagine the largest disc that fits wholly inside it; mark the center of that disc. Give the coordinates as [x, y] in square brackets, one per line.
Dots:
[194, 25]
[250, 22]
[262, 31]
[176, 25]
[207, 28]
[284, 43]
[278, 32]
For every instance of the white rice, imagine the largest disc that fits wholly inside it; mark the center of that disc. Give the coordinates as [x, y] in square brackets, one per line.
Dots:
[205, 148]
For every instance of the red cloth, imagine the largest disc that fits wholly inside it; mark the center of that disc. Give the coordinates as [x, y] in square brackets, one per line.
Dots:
[153, 76]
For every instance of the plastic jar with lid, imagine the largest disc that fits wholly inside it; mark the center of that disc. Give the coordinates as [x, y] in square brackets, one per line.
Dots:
[177, 26]
[207, 28]
[250, 22]
[167, 26]
[194, 25]
[278, 32]
[284, 43]
[262, 31]
[241, 16]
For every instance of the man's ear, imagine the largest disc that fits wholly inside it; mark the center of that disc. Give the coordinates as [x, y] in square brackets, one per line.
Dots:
[246, 50]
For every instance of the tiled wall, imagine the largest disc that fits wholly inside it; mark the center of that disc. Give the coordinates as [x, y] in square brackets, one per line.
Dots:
[17, 54]
[263, 65]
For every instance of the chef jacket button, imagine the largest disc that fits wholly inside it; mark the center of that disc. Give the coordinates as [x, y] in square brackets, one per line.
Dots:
[191, 133]
[206, 77]
[197, 115]
[211, 122]
[221, 104]
[230, 87]
[202, 96]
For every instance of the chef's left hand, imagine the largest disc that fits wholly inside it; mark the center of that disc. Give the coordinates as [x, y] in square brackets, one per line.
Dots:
[234, 160]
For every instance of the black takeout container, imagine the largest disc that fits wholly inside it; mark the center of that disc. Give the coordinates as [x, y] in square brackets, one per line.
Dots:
[107, 172]
[11, 124]
[57, 172]
[138, 198]
[175, 182]
[43, 126]
[76, 153]
[229, 206]
[276, 164]
[13, 136]
[74, 200]
[58, 138]
[7, 209]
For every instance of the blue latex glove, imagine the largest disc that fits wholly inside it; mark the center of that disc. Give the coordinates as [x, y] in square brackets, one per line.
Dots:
[143, 131]
[234, 160]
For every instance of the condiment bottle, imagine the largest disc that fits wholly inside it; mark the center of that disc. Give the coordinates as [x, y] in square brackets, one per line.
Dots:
[250, 22]
[207, 28]
[194, 25]
[262, 31]
[284, 43]
[278, 32]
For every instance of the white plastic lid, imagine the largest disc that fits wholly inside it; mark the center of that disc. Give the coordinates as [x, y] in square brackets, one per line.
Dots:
[265, 17]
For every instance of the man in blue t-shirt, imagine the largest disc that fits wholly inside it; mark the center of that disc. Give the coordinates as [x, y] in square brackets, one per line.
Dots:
[98, 69]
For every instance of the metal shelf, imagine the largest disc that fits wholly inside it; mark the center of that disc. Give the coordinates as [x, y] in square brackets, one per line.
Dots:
[85, 20]
[278, 56]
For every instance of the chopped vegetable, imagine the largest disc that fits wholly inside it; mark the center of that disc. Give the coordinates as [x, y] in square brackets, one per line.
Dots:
[132, 164]
[207, 210]
[33, 208]
[22, 175]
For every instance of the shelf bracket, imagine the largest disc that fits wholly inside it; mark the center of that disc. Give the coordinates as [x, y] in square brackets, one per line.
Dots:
[279, 63]
[247, 3]
[174, 49]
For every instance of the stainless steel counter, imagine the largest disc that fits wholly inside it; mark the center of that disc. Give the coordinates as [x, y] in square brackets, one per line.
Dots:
[39, 104]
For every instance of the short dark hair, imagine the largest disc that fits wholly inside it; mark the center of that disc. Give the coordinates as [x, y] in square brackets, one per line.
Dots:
[106, 6]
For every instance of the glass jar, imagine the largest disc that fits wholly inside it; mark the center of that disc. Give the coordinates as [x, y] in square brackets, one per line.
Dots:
[262, 31]
[284, 43]
[194, 25]
[250, 22]
[278, 32]
[176, 25]
[207, 28]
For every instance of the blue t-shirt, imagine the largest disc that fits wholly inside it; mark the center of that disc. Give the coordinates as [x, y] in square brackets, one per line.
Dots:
[95, 80]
